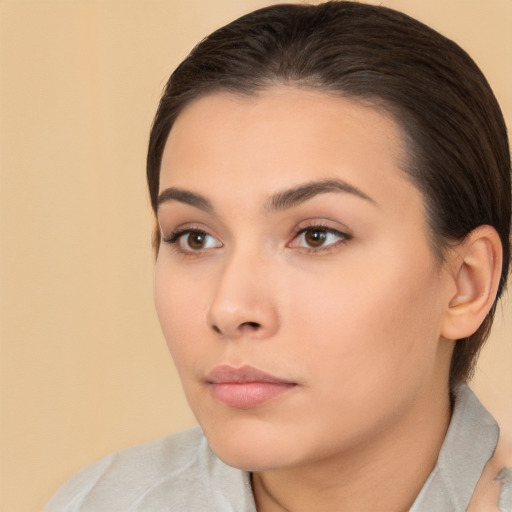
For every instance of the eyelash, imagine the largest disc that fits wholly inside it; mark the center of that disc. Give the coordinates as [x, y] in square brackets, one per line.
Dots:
[343, 237]
[175, 237]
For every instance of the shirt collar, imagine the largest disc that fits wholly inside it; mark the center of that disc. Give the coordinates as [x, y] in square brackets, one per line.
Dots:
[469, 444]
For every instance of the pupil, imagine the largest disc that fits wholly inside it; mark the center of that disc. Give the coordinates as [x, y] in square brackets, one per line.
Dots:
[315, 238]
[196, 240]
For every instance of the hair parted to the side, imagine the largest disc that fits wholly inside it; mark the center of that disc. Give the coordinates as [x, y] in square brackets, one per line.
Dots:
[454, 130]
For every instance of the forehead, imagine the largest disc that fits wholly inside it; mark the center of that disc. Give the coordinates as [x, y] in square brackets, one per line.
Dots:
[282, 137]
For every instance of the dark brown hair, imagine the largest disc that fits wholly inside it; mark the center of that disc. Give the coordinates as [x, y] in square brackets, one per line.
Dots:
[455, 133]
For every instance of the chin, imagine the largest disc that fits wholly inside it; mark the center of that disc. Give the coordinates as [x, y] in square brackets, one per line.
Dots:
[253, 460]
[252, 450]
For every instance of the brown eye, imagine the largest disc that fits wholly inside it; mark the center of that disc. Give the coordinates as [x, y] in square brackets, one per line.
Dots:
[315, 237]
[319, 238]
[193, 241]
[196, 240]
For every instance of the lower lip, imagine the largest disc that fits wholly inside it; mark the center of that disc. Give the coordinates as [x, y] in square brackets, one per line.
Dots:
[247, 395]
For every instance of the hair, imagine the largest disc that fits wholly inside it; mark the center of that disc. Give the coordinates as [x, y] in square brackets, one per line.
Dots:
[454, 131]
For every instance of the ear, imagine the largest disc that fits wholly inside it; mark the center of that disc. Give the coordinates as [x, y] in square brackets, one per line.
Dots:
[475, 267]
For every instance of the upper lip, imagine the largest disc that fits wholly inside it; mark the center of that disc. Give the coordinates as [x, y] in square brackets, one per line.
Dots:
[225, 374]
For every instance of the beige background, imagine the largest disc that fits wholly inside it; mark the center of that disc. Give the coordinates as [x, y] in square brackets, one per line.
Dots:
[84, 368]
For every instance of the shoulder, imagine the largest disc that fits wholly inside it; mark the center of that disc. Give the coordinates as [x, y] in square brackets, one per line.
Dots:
[470, 473]
[494, 488]
[173, 473]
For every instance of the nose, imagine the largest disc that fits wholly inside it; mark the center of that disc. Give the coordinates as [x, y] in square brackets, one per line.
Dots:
[244, 304]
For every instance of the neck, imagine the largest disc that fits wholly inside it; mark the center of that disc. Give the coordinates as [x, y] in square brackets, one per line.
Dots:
[384, 474]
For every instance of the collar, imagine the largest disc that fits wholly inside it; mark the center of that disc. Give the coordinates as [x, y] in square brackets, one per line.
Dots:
[468, 446]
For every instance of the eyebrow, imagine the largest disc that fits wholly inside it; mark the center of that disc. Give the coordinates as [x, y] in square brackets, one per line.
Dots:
[278, 202]
[185, 196]
[301, 193]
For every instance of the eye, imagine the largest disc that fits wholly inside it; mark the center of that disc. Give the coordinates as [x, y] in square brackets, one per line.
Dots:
[192, 240]
[318, 237]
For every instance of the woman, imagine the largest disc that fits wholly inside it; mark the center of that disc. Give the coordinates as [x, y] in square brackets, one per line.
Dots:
[331, 186]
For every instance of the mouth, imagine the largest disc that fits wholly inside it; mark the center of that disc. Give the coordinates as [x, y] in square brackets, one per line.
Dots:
[245, 387]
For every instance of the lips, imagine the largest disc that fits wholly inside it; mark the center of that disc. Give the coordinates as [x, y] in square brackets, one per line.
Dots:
[245, 387]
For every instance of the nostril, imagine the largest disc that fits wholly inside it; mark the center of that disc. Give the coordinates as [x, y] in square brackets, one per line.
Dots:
[245, 326]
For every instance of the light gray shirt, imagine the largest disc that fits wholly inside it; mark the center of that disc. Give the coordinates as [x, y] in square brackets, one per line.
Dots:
[179, 473]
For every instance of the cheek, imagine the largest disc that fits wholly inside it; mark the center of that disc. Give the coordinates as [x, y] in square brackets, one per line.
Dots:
[381, 320]
[180, 308]
[370, 345]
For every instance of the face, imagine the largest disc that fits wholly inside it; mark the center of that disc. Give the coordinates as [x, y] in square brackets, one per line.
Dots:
[295, 284]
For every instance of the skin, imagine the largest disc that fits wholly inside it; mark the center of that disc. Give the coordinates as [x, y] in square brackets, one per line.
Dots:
[355, 323]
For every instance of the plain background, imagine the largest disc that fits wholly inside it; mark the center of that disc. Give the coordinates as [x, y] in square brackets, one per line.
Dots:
[84, 368]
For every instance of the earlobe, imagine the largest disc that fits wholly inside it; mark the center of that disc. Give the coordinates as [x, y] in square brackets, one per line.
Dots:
[475, 270]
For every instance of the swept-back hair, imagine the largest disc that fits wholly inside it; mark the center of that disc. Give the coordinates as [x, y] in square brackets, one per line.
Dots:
[454, 132]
